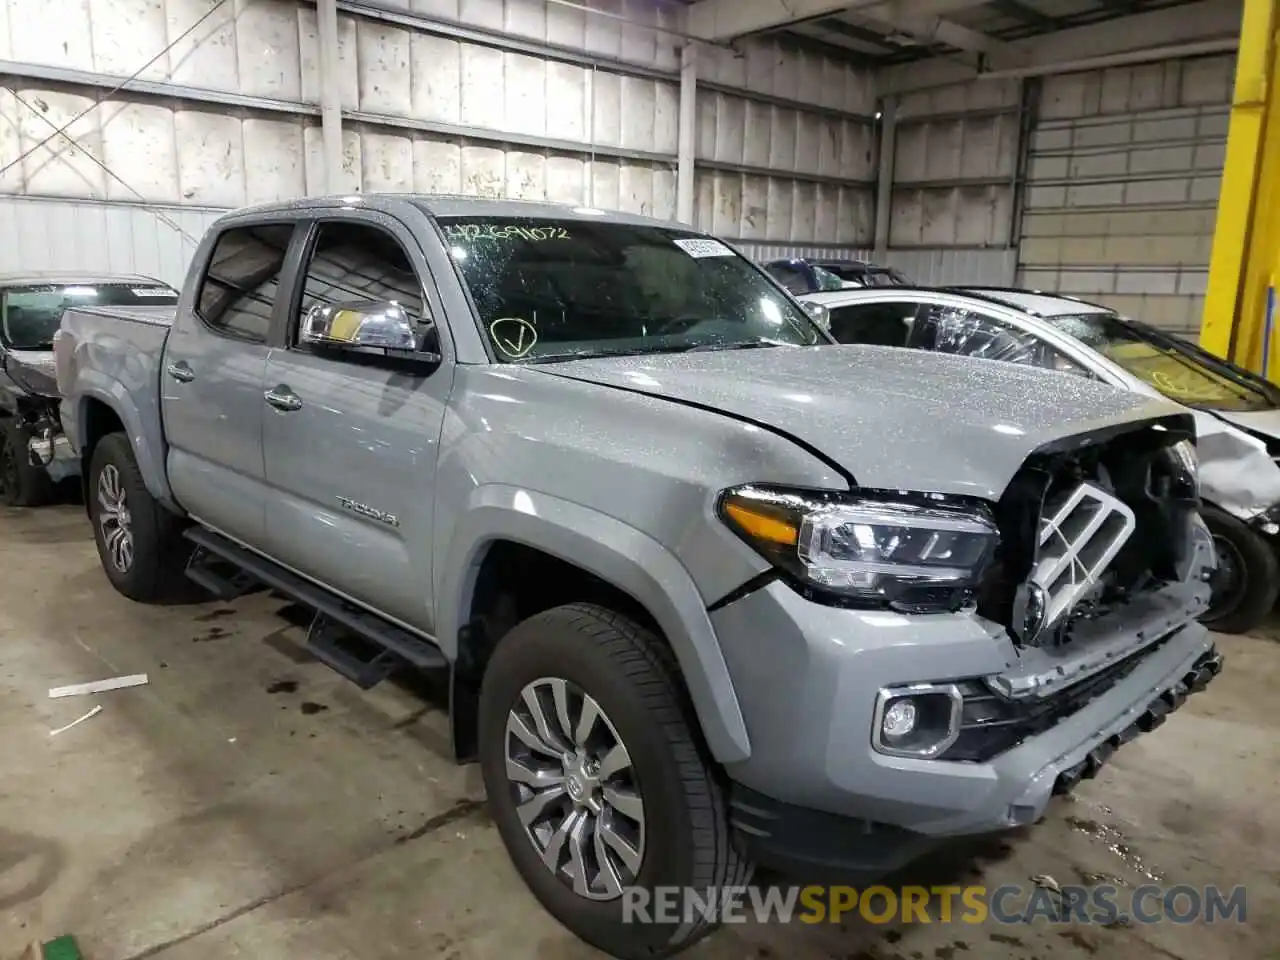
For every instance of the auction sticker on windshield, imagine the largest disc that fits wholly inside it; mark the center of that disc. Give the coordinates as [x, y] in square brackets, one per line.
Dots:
[152, 292]
[699, 247]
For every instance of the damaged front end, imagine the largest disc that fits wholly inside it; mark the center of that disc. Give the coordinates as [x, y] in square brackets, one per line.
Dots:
[1103, 558]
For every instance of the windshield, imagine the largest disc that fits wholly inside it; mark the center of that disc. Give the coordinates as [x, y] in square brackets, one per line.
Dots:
[31, 314]
[1179, 370]
[559, 289]
[829, 281]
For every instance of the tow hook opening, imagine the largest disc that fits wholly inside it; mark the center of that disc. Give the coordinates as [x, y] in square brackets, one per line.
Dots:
[1194, 680]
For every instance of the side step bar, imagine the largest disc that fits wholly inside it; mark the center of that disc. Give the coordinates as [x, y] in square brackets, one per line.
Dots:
[338, 627]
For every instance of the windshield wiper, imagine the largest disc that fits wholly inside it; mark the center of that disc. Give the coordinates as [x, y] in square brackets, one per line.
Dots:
[740, 345]
[665, 348]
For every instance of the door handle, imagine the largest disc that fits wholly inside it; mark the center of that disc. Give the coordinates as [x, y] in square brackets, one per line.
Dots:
[181, 371]
[282, 398]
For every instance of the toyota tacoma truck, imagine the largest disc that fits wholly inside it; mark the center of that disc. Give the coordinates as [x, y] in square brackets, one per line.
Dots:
[711, 590]
[34, 454]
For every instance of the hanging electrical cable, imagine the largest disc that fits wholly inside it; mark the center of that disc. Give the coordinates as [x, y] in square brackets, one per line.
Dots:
[167, 221]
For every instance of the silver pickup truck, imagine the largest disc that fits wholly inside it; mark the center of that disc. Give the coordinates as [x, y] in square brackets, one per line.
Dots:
[710, 589]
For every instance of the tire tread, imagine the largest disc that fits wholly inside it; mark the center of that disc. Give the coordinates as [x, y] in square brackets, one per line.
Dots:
[159, 577]
[649, 665]
[1262, 569]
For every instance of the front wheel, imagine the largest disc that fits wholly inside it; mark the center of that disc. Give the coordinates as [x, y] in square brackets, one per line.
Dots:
[139, 542]
[598, 783]
[1248, 575]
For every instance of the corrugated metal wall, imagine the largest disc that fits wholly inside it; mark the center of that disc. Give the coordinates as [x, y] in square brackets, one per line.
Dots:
[955, 166]
[517, 98]
[99, 237]
[1123, 182]
[954, 182]
[797, 164]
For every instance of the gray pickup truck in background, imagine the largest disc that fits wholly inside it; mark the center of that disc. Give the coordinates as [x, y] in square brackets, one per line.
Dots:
[710, 589]
[34, 454]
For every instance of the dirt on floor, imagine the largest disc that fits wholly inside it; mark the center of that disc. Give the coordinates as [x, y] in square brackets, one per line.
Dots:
[247, 802]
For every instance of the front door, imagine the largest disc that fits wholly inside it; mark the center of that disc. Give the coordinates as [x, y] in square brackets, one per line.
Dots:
[211, 382]
[351, 440]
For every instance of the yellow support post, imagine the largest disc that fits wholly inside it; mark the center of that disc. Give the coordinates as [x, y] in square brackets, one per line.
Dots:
[1246, 244]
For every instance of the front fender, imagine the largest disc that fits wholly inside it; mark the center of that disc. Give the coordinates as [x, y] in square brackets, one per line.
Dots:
[95, 386]
[618, 554]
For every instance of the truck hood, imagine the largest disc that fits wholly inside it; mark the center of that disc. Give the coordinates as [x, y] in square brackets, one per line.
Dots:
[894, 419]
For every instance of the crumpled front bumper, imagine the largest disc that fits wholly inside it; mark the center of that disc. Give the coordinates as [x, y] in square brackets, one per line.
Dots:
[815, 792]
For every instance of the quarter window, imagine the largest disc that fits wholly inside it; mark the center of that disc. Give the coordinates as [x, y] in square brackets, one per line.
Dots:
[948, 329]
[239, 289]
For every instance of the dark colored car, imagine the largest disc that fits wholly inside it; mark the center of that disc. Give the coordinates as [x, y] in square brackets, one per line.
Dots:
[815, 276]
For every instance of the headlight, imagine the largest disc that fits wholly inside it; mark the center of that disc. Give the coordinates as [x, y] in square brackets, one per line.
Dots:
[864, 551]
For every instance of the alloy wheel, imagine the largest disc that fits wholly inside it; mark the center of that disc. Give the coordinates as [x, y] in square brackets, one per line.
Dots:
[575, 790]
[114, 520]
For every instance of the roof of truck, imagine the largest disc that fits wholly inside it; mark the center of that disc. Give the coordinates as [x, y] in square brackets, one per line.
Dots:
[38, 277]
[451, 205]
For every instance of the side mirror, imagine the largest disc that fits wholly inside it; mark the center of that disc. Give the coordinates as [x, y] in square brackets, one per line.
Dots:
[358, 324]
[818, 314]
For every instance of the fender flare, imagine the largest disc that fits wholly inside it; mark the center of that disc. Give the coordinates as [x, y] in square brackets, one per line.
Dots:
[618, 554]
[94, 386]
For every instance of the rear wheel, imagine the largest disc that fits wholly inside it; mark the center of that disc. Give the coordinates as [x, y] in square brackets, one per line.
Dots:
[597, 781]
[139, 542]
[22, 483]
[1248, 575]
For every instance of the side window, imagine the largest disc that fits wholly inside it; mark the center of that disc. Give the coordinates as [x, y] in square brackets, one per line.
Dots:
[882, 324]
[354, 262]
[239, 288]
[789, 277]
[970, 333]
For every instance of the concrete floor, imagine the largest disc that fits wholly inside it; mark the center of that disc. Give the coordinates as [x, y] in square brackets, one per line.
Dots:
[247, 802]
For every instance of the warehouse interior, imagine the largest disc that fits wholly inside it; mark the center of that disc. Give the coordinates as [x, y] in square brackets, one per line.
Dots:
[1075, 146]
[246, 801]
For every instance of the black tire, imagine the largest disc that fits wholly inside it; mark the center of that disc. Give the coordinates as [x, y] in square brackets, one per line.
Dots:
[22, 484]
[632, 675]
[1249, 575]
[157, 563]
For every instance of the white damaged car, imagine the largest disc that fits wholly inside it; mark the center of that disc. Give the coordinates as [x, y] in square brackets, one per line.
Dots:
[1237, 413]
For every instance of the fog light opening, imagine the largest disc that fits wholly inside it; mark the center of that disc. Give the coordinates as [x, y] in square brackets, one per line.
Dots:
[921, 720]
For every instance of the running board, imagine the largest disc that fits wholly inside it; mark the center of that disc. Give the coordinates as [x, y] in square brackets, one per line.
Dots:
[338, 628]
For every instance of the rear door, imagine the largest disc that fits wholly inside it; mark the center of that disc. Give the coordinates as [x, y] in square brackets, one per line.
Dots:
[351, 440]
[211, 381]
